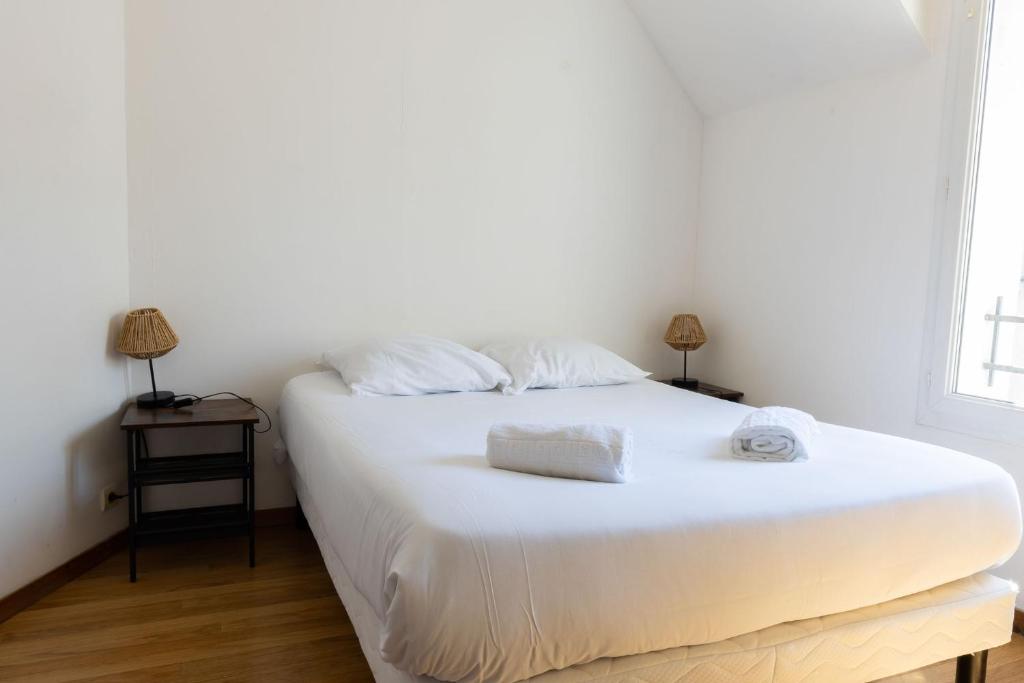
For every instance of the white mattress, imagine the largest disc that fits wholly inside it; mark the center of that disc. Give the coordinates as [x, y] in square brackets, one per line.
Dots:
[969, 615]
[480, 574]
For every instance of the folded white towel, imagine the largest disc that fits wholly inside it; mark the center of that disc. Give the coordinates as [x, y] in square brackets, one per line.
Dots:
[775, 434]
[585, 451]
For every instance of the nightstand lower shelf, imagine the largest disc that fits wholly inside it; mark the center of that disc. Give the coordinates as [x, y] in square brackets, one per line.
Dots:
[213, 520]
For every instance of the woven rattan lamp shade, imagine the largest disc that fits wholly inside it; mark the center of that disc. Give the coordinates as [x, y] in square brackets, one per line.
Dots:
[146, 334]
[684, 333]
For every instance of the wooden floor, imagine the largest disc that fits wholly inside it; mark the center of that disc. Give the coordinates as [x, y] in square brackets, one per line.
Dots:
[199, 613]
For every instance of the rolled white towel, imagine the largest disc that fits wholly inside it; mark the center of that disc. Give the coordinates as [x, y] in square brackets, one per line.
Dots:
[594, 452]
[775, 434]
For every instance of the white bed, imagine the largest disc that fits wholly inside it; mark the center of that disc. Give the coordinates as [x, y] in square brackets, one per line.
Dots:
[456, 571]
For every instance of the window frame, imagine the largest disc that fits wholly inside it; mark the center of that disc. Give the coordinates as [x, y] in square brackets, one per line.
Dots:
[938, 404]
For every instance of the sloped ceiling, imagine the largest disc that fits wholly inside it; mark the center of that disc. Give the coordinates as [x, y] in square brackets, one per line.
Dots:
[728, 54]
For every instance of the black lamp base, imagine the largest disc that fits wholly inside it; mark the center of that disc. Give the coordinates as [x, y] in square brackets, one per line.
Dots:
[157, 399]
[683, 382]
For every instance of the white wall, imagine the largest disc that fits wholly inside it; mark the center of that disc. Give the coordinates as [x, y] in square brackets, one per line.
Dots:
[64, 274]
[813, 265]
[303, 174]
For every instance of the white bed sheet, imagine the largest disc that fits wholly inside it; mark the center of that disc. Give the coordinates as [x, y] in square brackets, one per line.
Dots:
[482, 574]
[968, 615]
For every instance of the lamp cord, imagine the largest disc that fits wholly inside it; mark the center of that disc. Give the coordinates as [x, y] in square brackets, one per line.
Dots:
[266, 415]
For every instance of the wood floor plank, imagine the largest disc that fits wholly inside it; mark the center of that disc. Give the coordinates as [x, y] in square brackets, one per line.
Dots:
[199, 614]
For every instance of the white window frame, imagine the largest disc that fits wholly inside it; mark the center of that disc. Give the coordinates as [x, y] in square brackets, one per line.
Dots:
[938, 404]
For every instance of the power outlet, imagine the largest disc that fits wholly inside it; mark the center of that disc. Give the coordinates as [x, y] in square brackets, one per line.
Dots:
[105, 502]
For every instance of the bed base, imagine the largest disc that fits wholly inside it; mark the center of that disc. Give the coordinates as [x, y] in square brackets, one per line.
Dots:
[971, 668]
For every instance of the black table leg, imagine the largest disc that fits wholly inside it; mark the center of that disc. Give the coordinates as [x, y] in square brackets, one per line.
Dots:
[131, 505]
[141, 451]
[971, 668]
[251, 450]
[245, 480]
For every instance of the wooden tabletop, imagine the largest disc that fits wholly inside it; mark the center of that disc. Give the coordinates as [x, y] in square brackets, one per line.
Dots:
[709, 390]
[722, 392]
[228, 411]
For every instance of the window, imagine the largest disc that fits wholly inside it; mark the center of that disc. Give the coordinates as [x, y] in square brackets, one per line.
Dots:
[974, 377]
[990, 358]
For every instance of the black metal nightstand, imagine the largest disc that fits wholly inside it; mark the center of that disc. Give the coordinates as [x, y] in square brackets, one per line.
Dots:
[144, 471]
[710, 390]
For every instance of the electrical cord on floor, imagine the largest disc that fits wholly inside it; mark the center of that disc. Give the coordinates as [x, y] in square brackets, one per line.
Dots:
[192, 399]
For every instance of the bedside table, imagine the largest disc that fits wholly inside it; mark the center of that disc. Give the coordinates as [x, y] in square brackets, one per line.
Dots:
[710, 390]
[144, 471]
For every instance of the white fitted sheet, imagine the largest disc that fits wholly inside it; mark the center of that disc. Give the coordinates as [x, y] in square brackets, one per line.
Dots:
[968, 615]
[481, 574]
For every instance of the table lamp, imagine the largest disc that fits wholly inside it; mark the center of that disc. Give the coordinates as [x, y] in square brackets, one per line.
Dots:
[685, 334]
[146, 334]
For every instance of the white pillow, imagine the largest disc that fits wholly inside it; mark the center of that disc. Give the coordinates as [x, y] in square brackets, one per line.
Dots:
[413, 365]
[553, 363]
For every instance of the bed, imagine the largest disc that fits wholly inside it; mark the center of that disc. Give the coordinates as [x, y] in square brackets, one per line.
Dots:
[864, 562]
